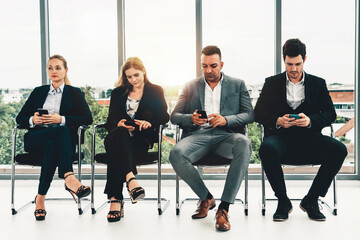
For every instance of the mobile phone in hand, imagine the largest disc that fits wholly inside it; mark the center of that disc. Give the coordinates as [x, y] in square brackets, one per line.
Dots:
[203, 114]
[130, 123]
[296, 116]
[42, 111]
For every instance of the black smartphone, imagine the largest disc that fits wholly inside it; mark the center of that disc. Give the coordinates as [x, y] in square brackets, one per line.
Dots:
[296, 116]
[203, 114]
[130, 123]
[42, 111]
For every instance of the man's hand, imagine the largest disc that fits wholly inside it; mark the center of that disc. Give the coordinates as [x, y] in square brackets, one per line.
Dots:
[285, 121]
[217, 120]
[303, 121]
[196, 120]
[51, 118]
[37, 120]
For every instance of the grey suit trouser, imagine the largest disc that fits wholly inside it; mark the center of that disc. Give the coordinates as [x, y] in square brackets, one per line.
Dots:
[192, 148]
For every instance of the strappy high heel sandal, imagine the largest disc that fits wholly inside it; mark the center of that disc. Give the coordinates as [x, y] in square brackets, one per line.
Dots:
[135, 193]
[39, 211]
[115, 216]
[81, 192]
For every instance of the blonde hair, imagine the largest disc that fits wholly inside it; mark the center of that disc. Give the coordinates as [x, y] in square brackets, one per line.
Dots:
[131, 62]
[61, 58]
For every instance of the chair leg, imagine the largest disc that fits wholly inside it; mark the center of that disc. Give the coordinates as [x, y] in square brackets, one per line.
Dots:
[178, 205]
[335, 196]
[263, 199]
[246, 205]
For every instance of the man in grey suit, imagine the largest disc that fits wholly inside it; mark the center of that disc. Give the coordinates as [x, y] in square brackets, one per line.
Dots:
[227, 104]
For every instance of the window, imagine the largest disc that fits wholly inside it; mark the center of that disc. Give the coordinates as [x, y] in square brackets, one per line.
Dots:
[244, 31]
[85, 33]
[20, 63]
[162, 34]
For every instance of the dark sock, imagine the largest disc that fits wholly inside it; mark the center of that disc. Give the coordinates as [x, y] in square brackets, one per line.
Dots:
[311, 197]
[283, 199]
[224, 205]
[209, 196]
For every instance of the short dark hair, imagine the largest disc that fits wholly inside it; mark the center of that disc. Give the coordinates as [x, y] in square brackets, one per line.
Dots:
[211, 50]
[294, 47]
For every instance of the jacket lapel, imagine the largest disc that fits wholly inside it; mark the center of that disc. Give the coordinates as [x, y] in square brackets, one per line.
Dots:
[201, 92]
[224, 89]
[64, 99]
[142, 102]
[43, 96]
[307, 83]
[283, 88]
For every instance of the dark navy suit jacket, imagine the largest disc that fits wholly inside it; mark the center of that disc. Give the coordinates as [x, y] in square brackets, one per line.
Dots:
[73, 106]
[272, 104]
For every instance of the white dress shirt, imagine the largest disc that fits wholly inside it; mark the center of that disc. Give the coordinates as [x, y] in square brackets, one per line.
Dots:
[52, 103]
[295, 92]
[212, 99]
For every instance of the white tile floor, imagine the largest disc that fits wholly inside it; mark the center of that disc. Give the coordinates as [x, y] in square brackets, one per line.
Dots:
[143, 222]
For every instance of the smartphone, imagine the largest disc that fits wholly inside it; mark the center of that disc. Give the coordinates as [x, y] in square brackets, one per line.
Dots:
[296, 116]
[42, 111]
[130, 123]
[203, 114]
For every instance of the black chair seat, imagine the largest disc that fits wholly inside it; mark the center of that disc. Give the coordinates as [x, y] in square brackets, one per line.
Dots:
[143, 159]
[35, 159]
[212, 160]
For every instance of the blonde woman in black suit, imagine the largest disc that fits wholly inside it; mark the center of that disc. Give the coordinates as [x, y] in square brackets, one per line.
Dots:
[53, 135]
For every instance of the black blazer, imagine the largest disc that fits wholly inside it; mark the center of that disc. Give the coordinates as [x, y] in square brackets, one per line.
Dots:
[73, 106]
[152, 108]
[272, 104]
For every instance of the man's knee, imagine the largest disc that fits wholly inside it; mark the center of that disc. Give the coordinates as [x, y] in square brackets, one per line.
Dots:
[176, 155]
[267, 150]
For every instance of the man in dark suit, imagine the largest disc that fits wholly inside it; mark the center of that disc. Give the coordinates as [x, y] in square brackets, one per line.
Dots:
[228, 107]
[296, 138]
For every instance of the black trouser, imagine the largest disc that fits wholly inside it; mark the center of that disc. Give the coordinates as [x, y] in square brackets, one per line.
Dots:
[295, 150]
[55, 146]
[122, 150]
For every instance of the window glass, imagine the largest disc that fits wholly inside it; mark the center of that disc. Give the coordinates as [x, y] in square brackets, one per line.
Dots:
[85, 33]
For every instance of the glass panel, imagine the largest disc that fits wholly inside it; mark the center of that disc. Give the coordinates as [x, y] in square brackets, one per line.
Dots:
[162, 34]
[20, 64]
[330, 41]
[85, 33]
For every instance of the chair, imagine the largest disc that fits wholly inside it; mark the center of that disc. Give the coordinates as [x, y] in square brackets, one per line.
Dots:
[264, 199]
[210, 160]
[35, 160]
[150, 158]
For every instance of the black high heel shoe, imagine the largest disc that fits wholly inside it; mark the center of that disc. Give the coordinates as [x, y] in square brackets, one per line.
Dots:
[81, 192]
[135, 193]
[39, 211]
[115, 216]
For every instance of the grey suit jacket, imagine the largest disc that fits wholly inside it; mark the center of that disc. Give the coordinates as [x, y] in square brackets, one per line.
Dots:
[235, 104]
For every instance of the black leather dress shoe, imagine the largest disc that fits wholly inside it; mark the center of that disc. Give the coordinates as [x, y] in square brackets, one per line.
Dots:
[283, 209]
[311, 207]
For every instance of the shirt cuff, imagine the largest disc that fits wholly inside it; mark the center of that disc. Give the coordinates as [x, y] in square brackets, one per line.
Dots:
[31, 124]
[62, 121]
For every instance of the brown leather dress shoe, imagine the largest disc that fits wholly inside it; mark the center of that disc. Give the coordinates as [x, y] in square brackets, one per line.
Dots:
[222, 220]
[203, 208]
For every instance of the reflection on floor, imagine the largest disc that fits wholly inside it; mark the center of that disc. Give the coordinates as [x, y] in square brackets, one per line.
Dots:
[142, 221]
